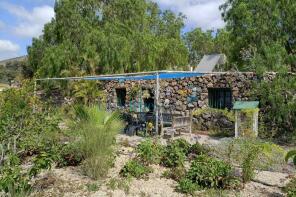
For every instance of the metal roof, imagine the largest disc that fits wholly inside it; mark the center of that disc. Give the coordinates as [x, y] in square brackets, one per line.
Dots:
[245, 105]
[209, 62]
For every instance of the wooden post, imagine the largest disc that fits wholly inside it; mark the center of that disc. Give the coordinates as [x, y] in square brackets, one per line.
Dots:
[236, 123]
[190, 128]
[157, 103]
[255, 123]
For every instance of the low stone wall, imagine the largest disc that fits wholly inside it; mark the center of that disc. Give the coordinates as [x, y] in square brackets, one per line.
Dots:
[214, 121]
[179, 95]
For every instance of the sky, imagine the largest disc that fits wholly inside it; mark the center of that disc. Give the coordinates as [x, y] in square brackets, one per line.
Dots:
[22, 20]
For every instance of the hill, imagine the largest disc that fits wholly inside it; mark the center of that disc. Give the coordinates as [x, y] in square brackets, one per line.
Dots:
[10, 69]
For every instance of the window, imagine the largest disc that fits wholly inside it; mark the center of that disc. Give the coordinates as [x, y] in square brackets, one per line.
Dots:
[220, 98]
[148, 98]
[121, 94]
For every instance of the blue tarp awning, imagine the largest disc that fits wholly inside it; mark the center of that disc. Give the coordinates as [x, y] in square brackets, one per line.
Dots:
[171, 75]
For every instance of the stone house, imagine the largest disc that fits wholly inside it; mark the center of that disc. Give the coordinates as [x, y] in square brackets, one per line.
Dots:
[179, 94]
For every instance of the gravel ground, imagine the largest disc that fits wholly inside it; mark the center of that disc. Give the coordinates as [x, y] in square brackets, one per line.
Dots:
[70, 182]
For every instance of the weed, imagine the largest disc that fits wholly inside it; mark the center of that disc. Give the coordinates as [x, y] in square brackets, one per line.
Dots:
[12, 180]
[70, 155]
[197, 149]
[123, 184]
[42, 161]
[125, 143]
[291, 154]
[215, 193]
[290, 188]
[176, 173]
[187, 186]
[150, 152]
[134, 168]
[249, 164]
[92, 187]
[209, 172]
[173, 156]
[182, 144]
[251, 155]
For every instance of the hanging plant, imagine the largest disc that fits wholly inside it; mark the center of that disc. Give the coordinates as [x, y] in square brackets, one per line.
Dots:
[134, 91]
[146, 94]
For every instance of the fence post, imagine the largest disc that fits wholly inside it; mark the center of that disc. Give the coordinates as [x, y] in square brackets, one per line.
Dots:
[157, 103]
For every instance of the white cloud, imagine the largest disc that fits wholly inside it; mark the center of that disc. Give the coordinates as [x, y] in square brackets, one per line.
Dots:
[30, 22]
[199, 13]
[8, 49]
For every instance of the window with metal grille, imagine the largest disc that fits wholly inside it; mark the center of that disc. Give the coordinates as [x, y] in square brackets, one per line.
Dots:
[121, 95]
[220, 98]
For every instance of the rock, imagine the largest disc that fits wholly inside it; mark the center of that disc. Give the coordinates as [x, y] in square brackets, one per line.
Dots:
[275, 179]
[190, 105]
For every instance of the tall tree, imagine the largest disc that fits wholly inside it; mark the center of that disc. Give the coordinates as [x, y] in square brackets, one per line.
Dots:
[114, 36]
[262, 32]
[199, 43]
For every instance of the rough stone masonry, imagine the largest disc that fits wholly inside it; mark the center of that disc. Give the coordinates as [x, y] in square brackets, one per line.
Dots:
[175, 94]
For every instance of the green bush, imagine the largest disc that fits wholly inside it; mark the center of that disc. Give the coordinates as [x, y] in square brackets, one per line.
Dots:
[291, 154]
[278, 107]
[187, 186]
[98, 129]
[42, 161]
[22, 133]
[92, 187]
[136, 169]
[209, 172]
[121, 183]
[70, 155]
[150, 152]
[198, 149]
[249, 163]
[173, 156]
[175, 152]
[176, 173]
[12, 180]
[290, 188]
[251, 155]
[182, 144]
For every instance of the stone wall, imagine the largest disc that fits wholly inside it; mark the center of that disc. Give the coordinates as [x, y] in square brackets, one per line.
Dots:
[180, 95]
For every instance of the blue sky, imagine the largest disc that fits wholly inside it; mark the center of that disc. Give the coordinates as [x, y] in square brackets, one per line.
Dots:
[21, 20]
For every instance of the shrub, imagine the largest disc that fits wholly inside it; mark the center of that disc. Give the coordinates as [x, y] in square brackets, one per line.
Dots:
[136, 169]
[251, 154]
[32, 132]
[187, 186]
[123, 184]
[12, 180]
[291, 154]
[98, 130]
[42, 161]
[150, 152]
[173, 156]
[249, 163]
[198, 149]
[209, 172]
[182, 144]
[290, 188]
[70, 155]
[92, 187]
[176, 173]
